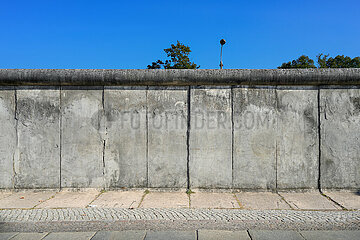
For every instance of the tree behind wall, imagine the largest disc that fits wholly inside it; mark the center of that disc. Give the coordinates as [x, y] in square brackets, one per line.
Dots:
[179, 58]
[338, 61]
[302, 62]
[323, 61]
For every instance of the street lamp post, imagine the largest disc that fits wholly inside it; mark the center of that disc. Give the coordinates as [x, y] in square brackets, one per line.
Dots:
[222, 42]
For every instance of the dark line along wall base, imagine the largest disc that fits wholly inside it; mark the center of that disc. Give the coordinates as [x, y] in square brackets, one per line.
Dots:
[240, 137]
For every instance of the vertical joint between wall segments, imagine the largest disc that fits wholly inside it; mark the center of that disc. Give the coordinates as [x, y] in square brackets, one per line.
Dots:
[147, 135]
[104, 135]
[16, 135]
[319, 137]
[188, 135]
[60, 135]
[276, 142]
[232, 135]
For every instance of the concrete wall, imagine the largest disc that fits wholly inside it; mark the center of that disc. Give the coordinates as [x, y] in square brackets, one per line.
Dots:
[229, 136]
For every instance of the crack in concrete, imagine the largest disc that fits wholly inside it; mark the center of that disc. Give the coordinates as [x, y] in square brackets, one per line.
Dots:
[16, 152]
[51, 197]
[60, 136]
[147, 136]
[96, 197]
[282, 198]
[103, 158]
[332, 200]
[276, 141]
[188, 136]
[232, 135]
[319, 136]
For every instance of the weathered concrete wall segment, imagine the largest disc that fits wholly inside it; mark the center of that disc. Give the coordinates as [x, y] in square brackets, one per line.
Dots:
[241, 137]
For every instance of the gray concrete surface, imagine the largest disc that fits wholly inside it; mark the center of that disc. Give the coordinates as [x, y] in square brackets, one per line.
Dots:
[297, 139]
[308, 201]
[254, 146]
[70, 236]
[340, 138]
[261, 200]
[331, 235]
[119, 235]
[125, 156]
[36, 164]
[347, 199]
[8, 137]
[70, 199]
[165, 200]
[118, 199]
[25, 199]
[275, 235]
[210, 160]
[6, 236]
[213, 200]
[30, 236]
[175, 235]
[167, 137]
[82, 140]
[219, 235]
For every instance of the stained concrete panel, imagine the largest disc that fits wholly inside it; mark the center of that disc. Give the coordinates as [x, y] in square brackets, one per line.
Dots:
[37, 164]
[165, 200]
[213, 200]
[308, 201]
[82, 139]
[167, 137]
[118, 199]
[70, 199]
[255, 128]
[261, 201]
[8, 138]
[27, 199]
[340, 138]
[210, 138]
[126, 138]
[298, 140]
[347, 199]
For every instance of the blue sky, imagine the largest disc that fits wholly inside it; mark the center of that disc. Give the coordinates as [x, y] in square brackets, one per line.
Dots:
[132, 34]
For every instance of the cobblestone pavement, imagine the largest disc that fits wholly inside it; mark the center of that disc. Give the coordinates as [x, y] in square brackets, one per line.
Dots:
[84, 219]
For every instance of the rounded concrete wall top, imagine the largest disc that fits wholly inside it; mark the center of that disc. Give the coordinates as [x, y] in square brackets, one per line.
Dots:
[178, 77]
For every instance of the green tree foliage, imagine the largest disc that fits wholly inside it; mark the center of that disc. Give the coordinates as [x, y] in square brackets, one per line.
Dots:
[179, 58]
[323, 61]
[340, 61]
[302, 62]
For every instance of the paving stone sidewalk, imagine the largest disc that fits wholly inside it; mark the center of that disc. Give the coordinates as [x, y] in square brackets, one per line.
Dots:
[92, 210]
[311, 200]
